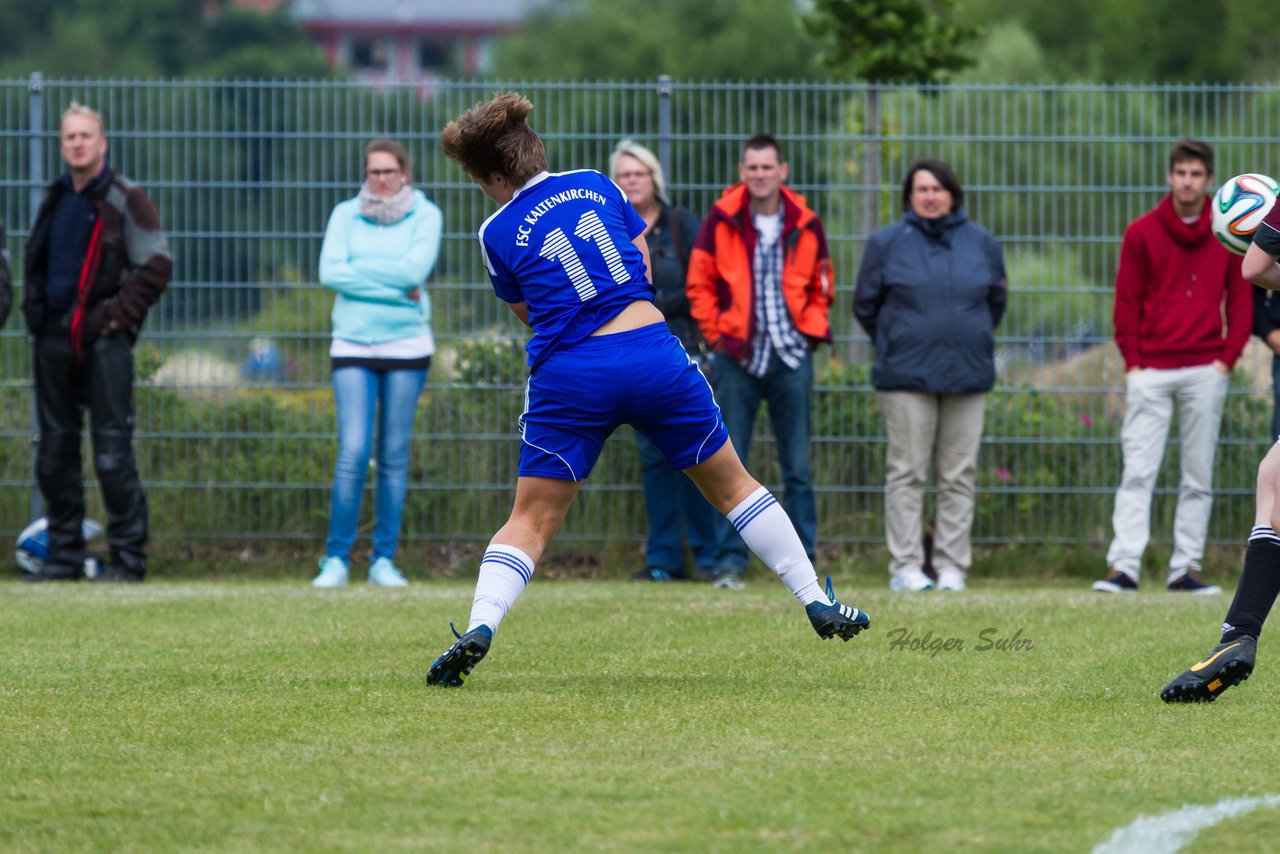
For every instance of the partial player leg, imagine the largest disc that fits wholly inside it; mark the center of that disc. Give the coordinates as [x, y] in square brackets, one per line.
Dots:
[1232, 660]
[505, 570]
[768, 532]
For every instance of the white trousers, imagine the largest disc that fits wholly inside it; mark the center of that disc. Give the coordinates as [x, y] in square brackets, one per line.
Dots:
[1199, 393]
[924, 428]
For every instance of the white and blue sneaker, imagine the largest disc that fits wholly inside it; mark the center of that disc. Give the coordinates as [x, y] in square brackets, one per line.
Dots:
[950, 578]
[383, 573]
[912, 579]
[333, 573]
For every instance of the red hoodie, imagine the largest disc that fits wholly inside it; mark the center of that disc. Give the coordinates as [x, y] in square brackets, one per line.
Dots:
[1180, 299]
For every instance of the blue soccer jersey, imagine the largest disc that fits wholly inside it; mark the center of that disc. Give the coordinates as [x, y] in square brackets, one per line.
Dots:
[563, 245]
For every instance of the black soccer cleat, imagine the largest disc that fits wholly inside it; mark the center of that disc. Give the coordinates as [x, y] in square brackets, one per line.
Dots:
[453, 667]
[836, 619]
[1228, 664]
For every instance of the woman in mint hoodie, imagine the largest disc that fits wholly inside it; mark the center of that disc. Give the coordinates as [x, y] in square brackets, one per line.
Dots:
[379, 248]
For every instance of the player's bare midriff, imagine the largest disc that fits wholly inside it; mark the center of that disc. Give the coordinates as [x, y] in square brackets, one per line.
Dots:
[639, 313]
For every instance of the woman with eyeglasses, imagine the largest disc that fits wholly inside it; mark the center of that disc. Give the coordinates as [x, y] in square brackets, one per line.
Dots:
[675, 508]
[378, 250]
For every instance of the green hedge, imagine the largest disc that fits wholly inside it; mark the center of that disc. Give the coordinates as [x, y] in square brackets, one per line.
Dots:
[255, 464]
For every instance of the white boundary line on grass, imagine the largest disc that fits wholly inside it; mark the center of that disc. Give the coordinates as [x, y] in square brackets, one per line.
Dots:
[1168, 832]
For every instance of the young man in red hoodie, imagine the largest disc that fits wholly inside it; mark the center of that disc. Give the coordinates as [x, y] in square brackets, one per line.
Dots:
[1174, 286]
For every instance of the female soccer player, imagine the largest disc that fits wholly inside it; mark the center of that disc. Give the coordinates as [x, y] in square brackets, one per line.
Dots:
[566, 252]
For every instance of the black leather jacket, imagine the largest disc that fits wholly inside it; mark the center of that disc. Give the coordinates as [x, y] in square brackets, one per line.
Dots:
[670, 242]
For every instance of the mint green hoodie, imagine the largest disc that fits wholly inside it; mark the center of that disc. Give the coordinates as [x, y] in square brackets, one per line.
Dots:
[374, 267]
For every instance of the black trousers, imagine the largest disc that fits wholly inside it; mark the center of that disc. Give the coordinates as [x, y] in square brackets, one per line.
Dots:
[102, 383]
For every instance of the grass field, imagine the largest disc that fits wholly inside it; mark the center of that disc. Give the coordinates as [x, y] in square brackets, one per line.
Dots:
[264, 716]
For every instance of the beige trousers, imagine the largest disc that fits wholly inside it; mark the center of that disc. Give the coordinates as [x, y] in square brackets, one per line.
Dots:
[924, 428]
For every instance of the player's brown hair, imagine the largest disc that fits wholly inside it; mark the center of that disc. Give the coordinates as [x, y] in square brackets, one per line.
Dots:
[1191, 149]
[494, 137]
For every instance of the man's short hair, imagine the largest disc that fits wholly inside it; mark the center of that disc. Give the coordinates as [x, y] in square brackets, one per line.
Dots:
[760, 142]
[77, 109]
[1191, 149]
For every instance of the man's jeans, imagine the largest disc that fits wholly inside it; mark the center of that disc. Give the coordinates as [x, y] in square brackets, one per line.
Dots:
[676, 510]
[359, 393]
[786, 393]
[1199, 393]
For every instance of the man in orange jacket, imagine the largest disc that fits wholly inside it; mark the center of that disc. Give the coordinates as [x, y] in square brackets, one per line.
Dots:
[760, 287]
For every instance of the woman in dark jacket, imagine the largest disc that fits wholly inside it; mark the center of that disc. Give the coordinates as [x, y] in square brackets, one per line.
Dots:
[930, 293]
[675, 507]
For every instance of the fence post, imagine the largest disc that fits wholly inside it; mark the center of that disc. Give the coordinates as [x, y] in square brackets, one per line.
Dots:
[35, 168]
[664, 123]
[871, 165]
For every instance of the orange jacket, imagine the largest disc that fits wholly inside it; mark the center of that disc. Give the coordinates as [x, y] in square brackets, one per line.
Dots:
[720, 272]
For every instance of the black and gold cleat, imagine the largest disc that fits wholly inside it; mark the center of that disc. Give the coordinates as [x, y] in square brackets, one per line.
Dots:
[1227, 664]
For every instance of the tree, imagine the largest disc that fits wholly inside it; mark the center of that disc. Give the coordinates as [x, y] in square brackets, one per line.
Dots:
[1009, 54]
[1129, 41]
[884, 41]
[642, 39]
[242, 43]
[150, 38]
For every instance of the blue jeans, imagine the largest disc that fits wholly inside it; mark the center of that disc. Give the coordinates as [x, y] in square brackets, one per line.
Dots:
[786, 392]
[359, 393]
[676, 509]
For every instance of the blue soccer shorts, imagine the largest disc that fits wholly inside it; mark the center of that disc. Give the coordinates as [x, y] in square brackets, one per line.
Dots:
[642, 377]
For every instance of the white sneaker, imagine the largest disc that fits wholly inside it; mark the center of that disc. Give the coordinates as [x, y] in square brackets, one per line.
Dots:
[729, 581]
[912, 580]
[333, 573]
[383, 573]
[950, 578]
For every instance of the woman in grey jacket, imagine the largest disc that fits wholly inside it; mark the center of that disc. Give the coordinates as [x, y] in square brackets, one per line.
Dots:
[931, 291]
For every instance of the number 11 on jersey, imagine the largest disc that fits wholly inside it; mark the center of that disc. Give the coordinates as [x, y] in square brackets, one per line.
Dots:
[590, 229]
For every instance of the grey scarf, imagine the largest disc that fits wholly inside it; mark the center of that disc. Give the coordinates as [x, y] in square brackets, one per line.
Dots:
[386, 210]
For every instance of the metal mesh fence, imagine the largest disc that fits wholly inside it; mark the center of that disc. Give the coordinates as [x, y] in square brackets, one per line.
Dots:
[235, 425]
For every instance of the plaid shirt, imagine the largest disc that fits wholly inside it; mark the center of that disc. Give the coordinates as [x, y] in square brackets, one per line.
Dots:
[774, 329]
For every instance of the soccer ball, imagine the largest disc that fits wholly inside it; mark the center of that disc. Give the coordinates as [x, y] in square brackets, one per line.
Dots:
[1239, 207]
[33, 547]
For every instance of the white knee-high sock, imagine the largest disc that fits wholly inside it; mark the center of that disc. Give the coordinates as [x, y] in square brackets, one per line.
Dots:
[767, 530]
[504, 573]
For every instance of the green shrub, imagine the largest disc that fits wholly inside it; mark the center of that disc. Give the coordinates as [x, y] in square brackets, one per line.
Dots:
[256, 464]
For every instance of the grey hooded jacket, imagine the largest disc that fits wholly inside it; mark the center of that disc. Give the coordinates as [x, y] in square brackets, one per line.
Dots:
[930, 294]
